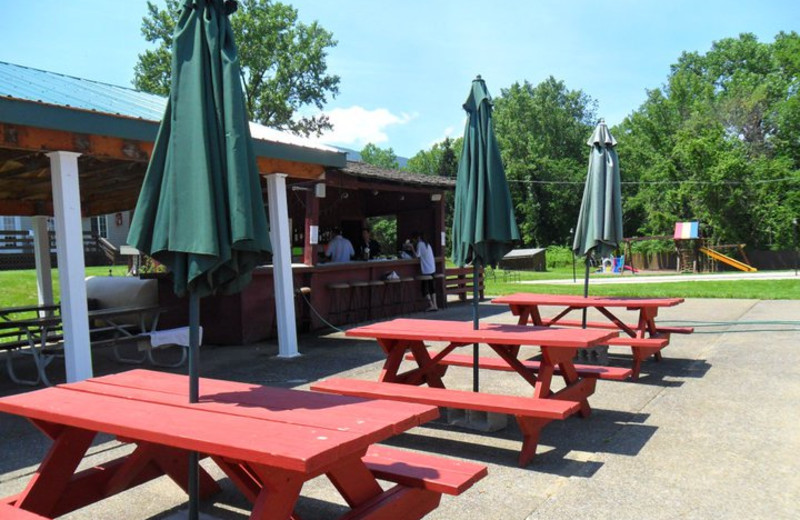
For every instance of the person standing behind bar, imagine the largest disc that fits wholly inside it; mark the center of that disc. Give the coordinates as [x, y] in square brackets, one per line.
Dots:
[424, 252]
[339, 248]
[367, 246]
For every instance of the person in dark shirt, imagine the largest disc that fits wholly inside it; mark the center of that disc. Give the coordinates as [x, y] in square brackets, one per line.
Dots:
[367, 247]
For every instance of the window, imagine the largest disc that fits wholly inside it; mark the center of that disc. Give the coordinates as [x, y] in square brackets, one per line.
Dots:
[100, 226]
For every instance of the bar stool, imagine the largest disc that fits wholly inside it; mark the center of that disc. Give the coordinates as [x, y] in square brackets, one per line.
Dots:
[359, 301]
[339, 301]
[408, 292]
[392, 297]
[421, 278]
[441, 293]
[375, 306]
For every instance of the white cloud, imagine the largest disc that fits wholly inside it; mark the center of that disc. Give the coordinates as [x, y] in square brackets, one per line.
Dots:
[356, 126]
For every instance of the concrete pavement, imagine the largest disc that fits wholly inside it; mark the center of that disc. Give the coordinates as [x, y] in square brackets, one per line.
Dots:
[709, 432]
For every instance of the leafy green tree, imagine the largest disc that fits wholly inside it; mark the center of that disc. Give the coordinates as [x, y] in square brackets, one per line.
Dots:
[542, 132]
[283, 61]
[380, 157]
[440, 160]
[718, 143]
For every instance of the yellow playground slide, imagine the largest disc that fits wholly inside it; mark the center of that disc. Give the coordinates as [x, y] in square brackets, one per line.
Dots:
[716, 255]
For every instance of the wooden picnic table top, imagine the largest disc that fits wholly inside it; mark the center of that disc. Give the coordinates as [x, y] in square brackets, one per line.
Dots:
[289, 429]
[489, 333]
[573, 300]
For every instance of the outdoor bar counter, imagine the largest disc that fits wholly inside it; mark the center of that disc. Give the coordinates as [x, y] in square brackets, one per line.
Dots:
[249, 316]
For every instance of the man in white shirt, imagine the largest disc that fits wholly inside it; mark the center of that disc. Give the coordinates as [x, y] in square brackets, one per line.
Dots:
[339, 248]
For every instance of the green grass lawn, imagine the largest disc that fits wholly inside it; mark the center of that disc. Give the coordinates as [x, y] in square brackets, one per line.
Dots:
[18, 288]
[502, 283]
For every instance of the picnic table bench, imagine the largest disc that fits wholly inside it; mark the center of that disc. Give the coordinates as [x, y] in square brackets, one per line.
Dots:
[646, 338]
[399, 336]
[37, 331]
[268, 441]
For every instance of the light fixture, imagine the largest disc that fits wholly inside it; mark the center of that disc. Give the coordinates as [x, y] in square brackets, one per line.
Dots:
[435, 197]
[374, 192]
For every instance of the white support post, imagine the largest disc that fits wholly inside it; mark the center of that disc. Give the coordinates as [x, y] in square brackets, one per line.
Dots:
[41, 253]
[282, 265]
[71, 264]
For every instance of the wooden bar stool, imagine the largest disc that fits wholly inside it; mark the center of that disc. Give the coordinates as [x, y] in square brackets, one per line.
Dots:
[408, 292]
[375, 305]
[441, 294]
[392, 297]
[359, 301]
[340, 302]
[420, 278]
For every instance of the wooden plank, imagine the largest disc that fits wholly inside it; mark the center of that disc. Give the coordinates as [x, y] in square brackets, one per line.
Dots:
[284, 405]
[242, 438]
[355, 416]
[525, 406]
[568, 300]
[497, 334]
[431, 472]
[496, 363]
[609, 325]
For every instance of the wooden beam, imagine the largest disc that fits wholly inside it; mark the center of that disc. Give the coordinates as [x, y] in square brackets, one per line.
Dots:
[42, 139]
[293, 169]
[25, 208]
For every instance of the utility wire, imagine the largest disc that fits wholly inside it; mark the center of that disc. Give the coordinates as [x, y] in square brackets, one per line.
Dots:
[717, 183]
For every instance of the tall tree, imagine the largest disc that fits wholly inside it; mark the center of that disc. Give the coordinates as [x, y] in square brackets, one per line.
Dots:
[441, 159]
[542, 132]
[283, 62]
[718, 143]
[380, 157]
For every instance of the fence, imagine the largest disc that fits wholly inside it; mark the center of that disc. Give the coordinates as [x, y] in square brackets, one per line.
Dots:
[16, 250]
[460, 281]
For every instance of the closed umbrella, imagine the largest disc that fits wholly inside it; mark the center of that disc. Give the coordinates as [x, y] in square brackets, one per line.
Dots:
[200, 211]
[484, 228]
[599, 228]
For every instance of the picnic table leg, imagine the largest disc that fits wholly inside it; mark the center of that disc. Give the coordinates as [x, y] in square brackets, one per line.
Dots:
[531, 428]
[53, 476]
[279, 493]
[426, 372]
[577, 389]
[354, 481]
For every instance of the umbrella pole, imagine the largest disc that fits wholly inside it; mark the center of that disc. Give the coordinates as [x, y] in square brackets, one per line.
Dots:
[585, 291]
[194, 395]
[475, 324]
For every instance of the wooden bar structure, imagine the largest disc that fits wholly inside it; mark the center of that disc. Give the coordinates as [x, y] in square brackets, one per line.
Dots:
[113, 130]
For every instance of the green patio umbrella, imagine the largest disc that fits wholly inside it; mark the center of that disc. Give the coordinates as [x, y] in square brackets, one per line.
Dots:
[200, 211]
[599, 228]
[484, 228]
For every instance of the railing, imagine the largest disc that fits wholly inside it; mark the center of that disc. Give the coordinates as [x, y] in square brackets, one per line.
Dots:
[460, 281]
[16, 250]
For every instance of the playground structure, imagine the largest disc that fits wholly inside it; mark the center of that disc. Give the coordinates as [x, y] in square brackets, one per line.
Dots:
[694, 253]
[689, 246]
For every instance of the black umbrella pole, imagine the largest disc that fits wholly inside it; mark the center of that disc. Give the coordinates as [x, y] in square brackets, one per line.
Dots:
[585, 291]
[194, 396]
[475, 325]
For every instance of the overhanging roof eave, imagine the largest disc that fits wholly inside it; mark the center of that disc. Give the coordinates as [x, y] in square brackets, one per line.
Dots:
[68, 119]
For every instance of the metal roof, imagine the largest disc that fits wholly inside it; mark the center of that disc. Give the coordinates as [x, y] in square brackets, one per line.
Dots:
[47, 94]
[364, 170]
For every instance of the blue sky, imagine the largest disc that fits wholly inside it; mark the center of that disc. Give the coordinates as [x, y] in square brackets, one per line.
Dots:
[406, 66]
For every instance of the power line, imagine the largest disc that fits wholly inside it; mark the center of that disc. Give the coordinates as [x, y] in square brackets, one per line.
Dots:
[717, 183]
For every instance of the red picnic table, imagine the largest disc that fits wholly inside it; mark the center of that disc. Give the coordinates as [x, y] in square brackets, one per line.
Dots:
[646, 338]
[558, 348]
[268, 441]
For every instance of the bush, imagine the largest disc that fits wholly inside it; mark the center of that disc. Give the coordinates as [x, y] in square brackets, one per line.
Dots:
[559, 256]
